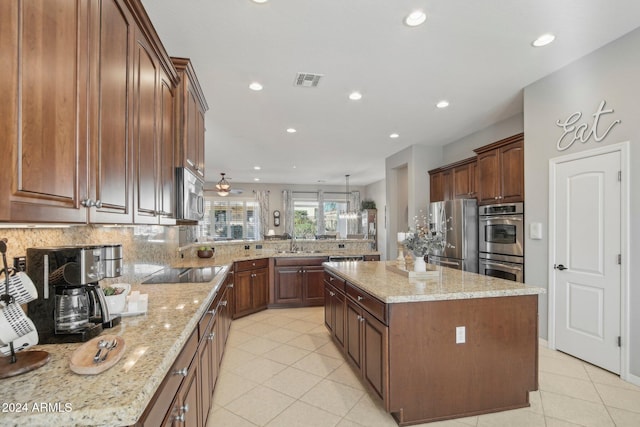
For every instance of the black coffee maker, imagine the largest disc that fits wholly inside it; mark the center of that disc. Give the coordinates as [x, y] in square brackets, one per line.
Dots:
[70, 306]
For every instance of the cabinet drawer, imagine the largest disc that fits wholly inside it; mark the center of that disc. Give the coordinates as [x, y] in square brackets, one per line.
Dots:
[161, 402]
[251, 264]
[335, 281]
[300, 261]
[374, 306]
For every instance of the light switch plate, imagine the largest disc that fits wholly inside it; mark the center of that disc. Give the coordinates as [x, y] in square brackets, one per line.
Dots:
[461, 335]
[535, 230]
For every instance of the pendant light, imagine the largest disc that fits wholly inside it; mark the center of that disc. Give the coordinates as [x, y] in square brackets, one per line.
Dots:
[348, 213]
[223, 187]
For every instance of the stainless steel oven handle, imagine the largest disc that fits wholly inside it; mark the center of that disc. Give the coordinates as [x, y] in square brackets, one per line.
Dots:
[497, 264]
[506, 217]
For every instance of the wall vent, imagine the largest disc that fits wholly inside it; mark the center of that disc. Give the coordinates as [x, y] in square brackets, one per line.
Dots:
[307, 79]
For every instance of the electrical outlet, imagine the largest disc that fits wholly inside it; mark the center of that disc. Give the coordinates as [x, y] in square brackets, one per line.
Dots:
[460, 335]
[258, 246]
[247, 247]
[340, 245]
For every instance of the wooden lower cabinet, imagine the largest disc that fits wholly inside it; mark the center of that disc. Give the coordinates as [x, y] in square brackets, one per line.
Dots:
[407, 352]
[251, 287]
[298, 282]
[335, 306]
[185, 396]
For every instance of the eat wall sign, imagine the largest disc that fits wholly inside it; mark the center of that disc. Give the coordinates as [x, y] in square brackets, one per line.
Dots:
[583, 132]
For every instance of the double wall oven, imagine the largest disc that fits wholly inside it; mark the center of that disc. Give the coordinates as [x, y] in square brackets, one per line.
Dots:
[501, 241]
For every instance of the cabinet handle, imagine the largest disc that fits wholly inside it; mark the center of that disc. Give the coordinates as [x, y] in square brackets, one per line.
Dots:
[224, 303]
[331, 279]
[253, 264]
[360, 298]
[212, 312]
[230, 285]
[88, 203]
[332, 293]
[212, 335]
[185, 408]
[496, 198]
[183, 372]
[179, 418]
[361, 318]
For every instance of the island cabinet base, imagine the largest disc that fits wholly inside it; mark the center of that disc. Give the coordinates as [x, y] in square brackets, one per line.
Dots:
[431, 377]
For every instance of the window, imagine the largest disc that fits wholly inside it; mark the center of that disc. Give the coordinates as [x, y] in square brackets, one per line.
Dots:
[230, 219]
[310, 214]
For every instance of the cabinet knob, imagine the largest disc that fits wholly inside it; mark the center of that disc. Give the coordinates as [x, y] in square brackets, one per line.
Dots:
[212, 312]
[179, 418]
[360, 298]
[224, 303]
[361, 319]
[185, 408]
[183, 372]
[496, 198]
[230, 285]
[331, 279]
[88, 203]
[211, 336]
[332, 293]
[253, 264]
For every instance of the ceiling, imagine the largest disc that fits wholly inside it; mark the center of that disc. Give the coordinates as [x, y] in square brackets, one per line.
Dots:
[475, 54]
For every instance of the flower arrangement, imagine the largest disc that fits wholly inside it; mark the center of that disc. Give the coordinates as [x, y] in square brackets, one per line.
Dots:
[426, 237]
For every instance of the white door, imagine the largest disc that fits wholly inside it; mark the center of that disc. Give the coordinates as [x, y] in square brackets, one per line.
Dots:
[587, 246]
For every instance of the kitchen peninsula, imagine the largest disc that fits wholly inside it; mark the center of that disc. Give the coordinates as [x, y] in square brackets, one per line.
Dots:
[455, 345]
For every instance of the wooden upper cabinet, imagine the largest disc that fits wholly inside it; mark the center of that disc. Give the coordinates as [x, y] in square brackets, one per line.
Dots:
[45, 127]
[454, 181]
[111, 170]
[190, 110]
[501, 171]
[154, 84]
[464, 180]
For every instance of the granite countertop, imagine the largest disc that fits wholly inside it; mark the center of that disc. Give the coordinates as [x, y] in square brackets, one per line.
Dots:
[391, 287]
[119, 395]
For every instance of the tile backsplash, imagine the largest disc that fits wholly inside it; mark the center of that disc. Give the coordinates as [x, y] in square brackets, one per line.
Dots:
[146, 248]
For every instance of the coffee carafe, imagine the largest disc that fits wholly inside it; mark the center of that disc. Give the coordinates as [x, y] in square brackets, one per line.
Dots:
[70, 306]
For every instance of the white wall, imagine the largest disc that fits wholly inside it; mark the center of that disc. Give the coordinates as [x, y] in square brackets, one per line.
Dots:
[611, 73]
[417, 159]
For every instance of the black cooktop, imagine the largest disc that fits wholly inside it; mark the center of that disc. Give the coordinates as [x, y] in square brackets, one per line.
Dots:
[183, 275]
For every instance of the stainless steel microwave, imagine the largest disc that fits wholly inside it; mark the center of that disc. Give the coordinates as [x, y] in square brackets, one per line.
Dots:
[189, 196]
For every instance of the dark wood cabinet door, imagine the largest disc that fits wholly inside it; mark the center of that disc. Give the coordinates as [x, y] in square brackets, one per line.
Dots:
[242, 293]
[353, 333]
[512, 172]
[200, 144]
[145, 126]
[488, 177]
[328, 307]
[191, 149]
[313, 285]
[206, 367]
[260, 288]
[166, 172]
[436, 187]
[44, 92]
[339, 313]
[288, 285]
[375, 360]
[111, 164]
[473, 179]
[189, 397]
[464, 181]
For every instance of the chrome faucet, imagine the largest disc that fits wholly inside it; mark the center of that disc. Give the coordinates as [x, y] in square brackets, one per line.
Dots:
[294, 246]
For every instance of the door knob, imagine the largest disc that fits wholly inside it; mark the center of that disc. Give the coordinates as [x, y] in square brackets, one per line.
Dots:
[559, 267]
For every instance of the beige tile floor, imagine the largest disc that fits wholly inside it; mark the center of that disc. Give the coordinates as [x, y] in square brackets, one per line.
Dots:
[281, 368]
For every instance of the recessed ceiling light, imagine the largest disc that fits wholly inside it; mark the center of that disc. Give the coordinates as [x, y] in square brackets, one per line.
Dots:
[543, 40]
[255, 86]
[257, 168]
[291, 130]
[256, 179]
[394, 136]
[443, 104]
[294, 166]
[415, 18]
[259, 1]
[355, 96]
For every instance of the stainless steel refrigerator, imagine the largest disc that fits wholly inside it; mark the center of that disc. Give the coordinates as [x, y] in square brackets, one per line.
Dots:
[458, 221]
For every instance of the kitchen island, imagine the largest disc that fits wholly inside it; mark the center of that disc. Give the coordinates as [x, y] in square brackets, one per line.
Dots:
[454, 345]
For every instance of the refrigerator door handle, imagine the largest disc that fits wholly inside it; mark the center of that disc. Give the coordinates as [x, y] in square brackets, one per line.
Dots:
[448, 262]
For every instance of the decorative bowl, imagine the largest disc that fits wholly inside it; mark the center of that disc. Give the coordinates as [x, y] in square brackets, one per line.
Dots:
[207, 253]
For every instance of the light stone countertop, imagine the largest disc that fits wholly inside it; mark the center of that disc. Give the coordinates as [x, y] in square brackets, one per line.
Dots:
[391, 287]
[118, 396]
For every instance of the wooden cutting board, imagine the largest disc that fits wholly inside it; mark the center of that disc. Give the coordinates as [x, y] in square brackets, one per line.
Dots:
[81, 361]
